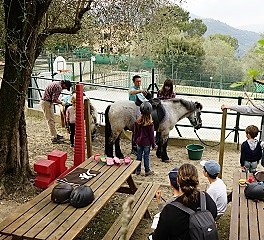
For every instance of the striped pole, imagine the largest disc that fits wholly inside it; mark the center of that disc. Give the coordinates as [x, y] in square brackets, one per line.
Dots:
[79, 141]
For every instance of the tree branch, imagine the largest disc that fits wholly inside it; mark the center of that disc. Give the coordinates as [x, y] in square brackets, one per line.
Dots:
[77, 22]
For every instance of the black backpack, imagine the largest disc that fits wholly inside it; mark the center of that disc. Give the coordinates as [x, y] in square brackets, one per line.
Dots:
[201, 222]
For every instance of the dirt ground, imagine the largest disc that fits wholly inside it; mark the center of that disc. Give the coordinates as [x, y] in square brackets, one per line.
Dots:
[40, 145]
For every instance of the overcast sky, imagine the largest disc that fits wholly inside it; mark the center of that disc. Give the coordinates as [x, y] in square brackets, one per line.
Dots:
[232, 12]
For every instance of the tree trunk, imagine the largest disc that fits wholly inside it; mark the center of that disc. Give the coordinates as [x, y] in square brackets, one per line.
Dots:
[23, 42]
[22, 21]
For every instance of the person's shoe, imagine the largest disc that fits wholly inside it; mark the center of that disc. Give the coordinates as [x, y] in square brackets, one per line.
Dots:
[166, 161]
[127, 160]
[150, 173]
[56, 141]
[109, 161]
[59, 136]
[72, 145]
[137, 172]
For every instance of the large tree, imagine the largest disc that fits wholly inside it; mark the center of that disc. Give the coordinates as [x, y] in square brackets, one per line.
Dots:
[27, 26]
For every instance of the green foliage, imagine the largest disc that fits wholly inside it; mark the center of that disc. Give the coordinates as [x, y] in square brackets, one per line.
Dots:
[252, 73]
[226, 38]
[168, 36]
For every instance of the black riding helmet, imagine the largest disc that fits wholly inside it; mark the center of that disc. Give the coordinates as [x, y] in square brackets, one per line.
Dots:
[61, 193]
[81, 196]
[145, 108]
[255, 191]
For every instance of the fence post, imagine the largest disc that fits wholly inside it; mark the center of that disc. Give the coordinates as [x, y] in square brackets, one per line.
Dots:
[222, 142]
[152, 82]
[237, 122]
[80, 71]
[30, 95]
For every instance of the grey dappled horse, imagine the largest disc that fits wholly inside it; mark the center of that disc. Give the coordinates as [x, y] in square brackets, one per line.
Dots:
[122, 115]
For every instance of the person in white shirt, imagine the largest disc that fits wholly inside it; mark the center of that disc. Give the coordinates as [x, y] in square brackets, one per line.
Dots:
[217, 188]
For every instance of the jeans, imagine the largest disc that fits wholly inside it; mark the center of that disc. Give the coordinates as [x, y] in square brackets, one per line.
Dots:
[145, 151]
[251, 166]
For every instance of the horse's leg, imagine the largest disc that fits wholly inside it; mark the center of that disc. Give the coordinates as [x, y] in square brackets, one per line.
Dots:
[108, 133]
[164, 156]
[118, 152]
[158, 142]
[134, 145]
[162, 147]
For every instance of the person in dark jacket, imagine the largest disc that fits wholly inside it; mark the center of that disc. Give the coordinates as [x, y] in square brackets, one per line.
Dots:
[251, 151]
[173, 222]
[143, 136]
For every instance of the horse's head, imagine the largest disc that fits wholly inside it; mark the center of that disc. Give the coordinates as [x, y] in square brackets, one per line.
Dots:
[195, 116]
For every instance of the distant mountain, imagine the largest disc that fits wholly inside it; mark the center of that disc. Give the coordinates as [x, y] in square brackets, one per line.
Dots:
[246, 39]
[258, 28]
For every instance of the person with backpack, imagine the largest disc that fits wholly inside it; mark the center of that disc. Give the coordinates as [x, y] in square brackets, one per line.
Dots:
[217, 188]
[175, 223]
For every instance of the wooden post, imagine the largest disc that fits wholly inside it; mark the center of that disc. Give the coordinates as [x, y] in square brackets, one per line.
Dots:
[87, 118]
[222, 142]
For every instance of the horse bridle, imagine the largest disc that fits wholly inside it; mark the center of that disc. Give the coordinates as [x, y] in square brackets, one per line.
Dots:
[197, 118]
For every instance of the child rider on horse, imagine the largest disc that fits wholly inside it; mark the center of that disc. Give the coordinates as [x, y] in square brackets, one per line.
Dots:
[144, 137]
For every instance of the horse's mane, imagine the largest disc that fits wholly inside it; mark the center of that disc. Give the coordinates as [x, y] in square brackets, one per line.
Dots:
[189, 105]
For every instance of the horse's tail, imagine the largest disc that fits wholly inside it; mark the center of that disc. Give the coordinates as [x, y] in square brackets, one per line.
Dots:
[107, 130]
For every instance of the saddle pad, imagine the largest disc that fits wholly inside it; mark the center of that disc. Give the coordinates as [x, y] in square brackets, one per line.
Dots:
[74, 176]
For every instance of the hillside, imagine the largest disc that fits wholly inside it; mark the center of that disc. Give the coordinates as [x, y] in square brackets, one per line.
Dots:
[246, 39]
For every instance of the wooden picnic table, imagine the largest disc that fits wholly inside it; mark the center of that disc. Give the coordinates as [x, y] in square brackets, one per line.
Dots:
[40, 218]
[247, 216]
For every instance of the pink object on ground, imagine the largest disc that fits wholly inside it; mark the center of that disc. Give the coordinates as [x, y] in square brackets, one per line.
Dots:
[109, 161]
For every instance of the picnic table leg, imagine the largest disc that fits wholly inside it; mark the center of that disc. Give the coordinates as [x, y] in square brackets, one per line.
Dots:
[131, 184]
[130, 189]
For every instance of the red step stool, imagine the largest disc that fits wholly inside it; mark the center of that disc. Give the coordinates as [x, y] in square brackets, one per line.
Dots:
[43, 180]
[60, 159]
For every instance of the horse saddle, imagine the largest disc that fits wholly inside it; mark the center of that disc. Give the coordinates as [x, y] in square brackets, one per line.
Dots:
[157, 113]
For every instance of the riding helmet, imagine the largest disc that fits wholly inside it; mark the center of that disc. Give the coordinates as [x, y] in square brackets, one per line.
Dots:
[61, 193]
[255, 191]
[81, 196]
[145, 108]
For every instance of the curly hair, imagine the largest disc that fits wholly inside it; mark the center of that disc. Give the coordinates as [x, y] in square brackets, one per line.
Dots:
[188, 181]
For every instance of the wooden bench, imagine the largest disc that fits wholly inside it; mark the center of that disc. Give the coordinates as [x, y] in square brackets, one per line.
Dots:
[247, 216]
[5, 237]
[40, 218]
[143, 196]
